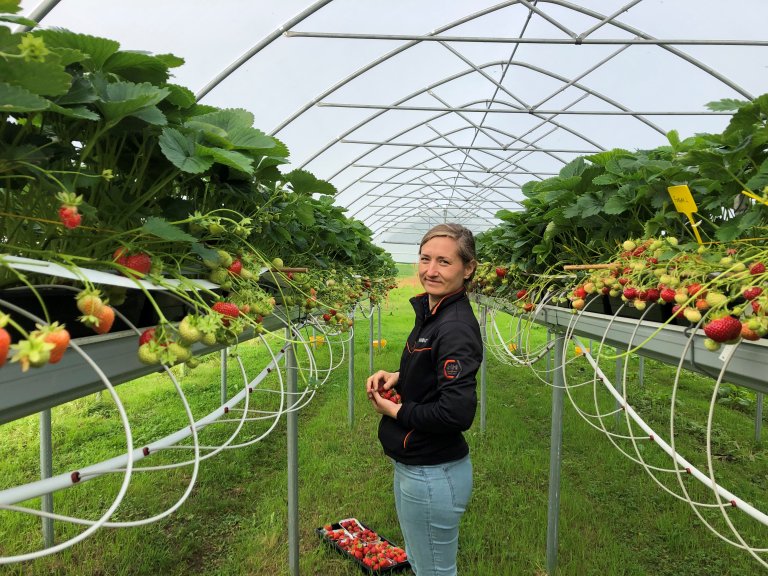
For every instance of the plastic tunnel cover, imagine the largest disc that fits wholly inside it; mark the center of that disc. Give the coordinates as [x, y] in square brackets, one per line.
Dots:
[440, 110]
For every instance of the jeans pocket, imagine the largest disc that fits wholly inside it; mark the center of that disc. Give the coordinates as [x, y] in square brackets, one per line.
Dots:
[458, 476]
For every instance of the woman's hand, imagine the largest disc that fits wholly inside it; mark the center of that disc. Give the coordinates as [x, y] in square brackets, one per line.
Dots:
[382, 380]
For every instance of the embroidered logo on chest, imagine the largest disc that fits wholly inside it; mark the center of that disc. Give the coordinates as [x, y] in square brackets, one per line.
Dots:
[451, 369]
[422, 340]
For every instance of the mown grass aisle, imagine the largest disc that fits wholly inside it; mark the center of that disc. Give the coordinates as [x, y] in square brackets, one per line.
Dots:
[614, 519]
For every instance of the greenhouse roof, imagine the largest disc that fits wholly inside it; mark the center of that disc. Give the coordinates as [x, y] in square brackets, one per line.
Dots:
[441, 110]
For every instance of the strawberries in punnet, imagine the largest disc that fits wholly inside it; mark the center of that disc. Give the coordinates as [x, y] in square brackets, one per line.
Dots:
[723, 329]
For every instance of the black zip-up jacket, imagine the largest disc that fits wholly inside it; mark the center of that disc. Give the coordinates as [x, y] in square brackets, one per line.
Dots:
[437, 384]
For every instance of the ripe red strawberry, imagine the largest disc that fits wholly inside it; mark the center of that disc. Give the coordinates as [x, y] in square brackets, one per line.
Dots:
[630, 293]
[652, 294]
[332, 312]
[528, 306]
[69, 216]
[141, 262]
[522, 293]
[327, 317]
[104, 320]
[147, 336]
[623, 280]
[667, 294]
[5, 345]
[752, 292]
[723, 329]
[579, 292]
[226, 309]
[695, 289]
[57, 335]
[236, 267]
[747, 333]
[757, 268]
[756, 306]
[501, 272]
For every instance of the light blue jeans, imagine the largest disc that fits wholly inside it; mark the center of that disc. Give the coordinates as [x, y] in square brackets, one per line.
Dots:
[430, 501]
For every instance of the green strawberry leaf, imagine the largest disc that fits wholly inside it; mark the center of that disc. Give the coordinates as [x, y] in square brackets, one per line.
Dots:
[163, 229]
[18, 99]
[181, 151]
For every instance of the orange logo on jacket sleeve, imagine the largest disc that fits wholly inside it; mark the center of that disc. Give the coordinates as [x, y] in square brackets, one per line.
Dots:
[451, 369]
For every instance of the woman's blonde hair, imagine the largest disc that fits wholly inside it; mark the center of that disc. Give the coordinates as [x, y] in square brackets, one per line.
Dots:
[464, 238]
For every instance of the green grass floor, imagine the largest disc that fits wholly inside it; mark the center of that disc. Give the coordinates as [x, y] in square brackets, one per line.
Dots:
[615, 518]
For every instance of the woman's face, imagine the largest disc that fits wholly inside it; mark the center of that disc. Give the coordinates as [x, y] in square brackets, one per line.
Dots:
[441, 270]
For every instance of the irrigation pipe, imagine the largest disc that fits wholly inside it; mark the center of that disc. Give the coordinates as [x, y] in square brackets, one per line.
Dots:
[21, 493]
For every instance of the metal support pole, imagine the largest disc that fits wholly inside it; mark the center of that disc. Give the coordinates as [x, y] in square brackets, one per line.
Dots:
[618, 384]
[759, 417]
[292, 421]
[483, 366]
[378, 309]
[370, 341]
[555, 456]
[224, 375]
[46, 471]
[351, 373]
[549, 356]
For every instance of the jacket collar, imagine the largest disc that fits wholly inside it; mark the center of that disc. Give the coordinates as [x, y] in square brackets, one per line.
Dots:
[420, 303]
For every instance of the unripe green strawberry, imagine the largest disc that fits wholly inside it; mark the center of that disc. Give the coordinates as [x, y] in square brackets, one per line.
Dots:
[209, 338]
[716, 299]
[149, 353]
[180, 353]
[193, 362]
[188, 330]
[219, 276]
[711, 345]
[225, 258]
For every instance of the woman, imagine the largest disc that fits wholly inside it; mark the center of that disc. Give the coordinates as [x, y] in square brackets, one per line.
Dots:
[436, 383]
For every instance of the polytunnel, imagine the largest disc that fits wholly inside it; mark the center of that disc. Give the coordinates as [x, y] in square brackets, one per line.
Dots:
[159, 159]
[436, 111]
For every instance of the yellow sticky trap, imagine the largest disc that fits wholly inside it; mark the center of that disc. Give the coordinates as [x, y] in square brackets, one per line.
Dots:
[685, 204]
[755, 197]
